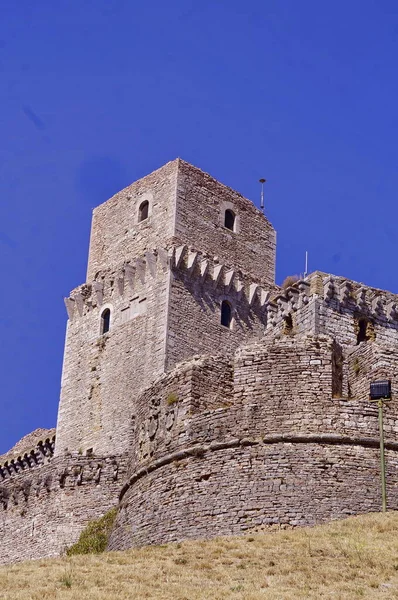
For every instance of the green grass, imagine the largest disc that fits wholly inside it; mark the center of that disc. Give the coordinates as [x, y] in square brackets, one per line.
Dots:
[94, 538]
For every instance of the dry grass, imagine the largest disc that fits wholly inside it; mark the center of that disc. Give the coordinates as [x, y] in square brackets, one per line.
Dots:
[354, 558]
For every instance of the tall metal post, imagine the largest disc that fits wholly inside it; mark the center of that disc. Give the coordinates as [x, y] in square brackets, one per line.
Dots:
[381, 391]
[262, 181]
[382, 459]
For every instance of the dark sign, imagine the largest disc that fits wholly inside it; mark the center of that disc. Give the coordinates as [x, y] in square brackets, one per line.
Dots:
[380, 390]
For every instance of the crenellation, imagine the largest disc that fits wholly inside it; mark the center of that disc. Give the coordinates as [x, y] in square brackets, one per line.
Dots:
[38, 456]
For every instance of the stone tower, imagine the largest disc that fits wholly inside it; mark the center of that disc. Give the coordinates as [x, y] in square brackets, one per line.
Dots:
[179, 265]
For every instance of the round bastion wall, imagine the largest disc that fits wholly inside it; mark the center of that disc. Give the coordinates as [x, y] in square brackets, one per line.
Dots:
[222, 445]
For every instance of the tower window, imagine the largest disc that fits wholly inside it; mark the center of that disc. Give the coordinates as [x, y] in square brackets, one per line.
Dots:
[229, 220]
[143, 211]
[105, 321]
[226, 314]
[288, 324]
[362, 335]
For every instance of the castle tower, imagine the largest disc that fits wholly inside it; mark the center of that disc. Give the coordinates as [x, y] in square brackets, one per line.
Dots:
[179, 265]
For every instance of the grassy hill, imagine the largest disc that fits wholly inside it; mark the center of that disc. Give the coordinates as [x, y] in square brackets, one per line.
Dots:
[354, 558]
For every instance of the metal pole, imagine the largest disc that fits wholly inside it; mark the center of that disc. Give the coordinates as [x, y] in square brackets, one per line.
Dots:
[382, 459]
[262, 181]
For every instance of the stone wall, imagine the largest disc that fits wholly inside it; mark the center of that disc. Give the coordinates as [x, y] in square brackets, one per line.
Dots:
[116, 234]
[226, 491]
[272, 444]
[194, 314]
[200, 210]
[43, 510]
[329, 305]
[164, 297]
[103, 373]
[14, 463]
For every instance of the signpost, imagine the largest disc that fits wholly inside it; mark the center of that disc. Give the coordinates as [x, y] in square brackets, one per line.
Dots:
[379, 392]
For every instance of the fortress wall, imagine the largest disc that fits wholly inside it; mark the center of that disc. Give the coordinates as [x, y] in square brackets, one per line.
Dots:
[288, 386]
[194, 319]
[342, 303]
[369, 362]
[102, 373]
[277, 387]
[164, 418]
[282, 444]
[116, 235]
[201, 205]
[15, 462]
[229, 491]
[327, 305]
[43, 511]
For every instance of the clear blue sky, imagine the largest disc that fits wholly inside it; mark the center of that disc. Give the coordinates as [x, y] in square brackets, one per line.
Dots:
[96, 94]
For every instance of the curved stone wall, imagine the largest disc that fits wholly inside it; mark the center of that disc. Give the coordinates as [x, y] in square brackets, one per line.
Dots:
[221, 445]
[227, 491]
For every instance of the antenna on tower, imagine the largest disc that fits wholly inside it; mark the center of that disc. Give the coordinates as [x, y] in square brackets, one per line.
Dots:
[262, 181]
[306, 264]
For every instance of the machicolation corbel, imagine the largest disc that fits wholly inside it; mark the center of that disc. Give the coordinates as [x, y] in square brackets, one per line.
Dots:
[98, 288]
[192, 260]
[179, 256]
[361, 298]
[329, 289]
[78, 298]
[217, 274]
[345, 292]
[70, 307]
[377, 305]
[391, 311]
[129, 271]
[150, 258]
[203, 268]
[252, 293]
[304, 289]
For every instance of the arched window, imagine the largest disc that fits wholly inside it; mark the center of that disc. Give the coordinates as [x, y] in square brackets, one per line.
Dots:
[143, 211]
[226, 314]
[105, 321]
[229, 220]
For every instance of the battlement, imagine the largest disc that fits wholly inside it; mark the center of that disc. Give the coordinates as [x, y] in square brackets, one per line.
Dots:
[329, 305]
[133, 275]
[37, 457]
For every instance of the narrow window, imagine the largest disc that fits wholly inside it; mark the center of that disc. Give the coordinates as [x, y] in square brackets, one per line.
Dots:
[362, 335]
[229, 220]
[226, 314]
[105, 321]
[143, 211]
[288, 324]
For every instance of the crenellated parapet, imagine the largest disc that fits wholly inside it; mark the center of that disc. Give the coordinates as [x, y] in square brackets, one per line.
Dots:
[325, 304]
[343, 294]
[109, 284]
[221, 277]
[177, 259]
[37, 457]
[282, 306]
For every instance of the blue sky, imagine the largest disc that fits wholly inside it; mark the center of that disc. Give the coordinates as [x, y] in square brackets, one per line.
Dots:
[96, 94]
